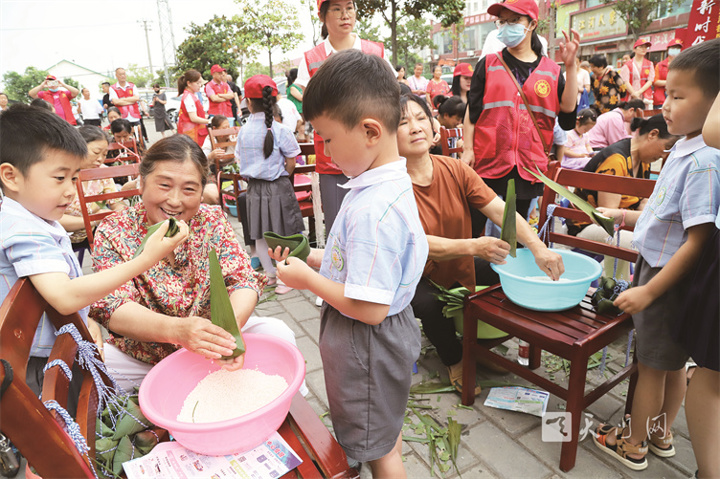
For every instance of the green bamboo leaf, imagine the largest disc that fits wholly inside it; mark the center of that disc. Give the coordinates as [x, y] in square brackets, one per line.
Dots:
[172, 231]
[123, 453]
[128, 425]
[608, 224]
[509, 222]
[454, 431]
[422, 440]
[434, 387]
[221, 310]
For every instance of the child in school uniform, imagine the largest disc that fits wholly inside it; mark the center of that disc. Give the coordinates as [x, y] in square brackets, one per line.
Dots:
[670, 234]
[39, 162]
[266, 151]
[372, 262]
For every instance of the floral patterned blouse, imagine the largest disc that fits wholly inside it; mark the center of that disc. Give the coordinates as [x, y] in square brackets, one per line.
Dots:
[181, 290]
[92, 187]
[608, 90]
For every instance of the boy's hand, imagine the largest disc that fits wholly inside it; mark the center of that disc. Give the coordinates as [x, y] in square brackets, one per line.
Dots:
[634, 299]
[202, 337]
[293, 272]
[158, 246]
[614, 213]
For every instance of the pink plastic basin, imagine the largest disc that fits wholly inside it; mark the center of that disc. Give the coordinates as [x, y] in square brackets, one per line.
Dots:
[166, 386]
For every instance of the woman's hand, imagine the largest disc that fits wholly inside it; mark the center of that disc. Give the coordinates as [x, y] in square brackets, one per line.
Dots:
[468, 156]
[279, 254]
[96, 333]
[158, 246]
[293, 272]
[232, 364]
[215, 154]
[490, 249]
[550, 263]
[202, 337]
[569, 48]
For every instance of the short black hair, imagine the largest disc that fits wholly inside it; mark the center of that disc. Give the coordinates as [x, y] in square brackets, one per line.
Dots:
[27, 132]
[92, 133]
[42, 104]
[645, 125]
[351, 85]
[453, 106]
[703, 62]
[106, 83]
[121, 124]
[598, 61]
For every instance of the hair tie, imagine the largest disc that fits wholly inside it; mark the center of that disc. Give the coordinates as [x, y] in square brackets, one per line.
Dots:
[269, 128]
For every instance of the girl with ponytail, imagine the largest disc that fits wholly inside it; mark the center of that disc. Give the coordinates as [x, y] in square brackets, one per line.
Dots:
[266, 150]
[192, 121]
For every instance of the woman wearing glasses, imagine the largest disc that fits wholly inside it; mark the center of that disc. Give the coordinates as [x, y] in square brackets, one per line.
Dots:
[338, 23]
[501, 139]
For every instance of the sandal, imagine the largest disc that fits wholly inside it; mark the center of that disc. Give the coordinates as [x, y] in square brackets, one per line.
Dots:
[662, 446]
[455, 373]
[622, 449]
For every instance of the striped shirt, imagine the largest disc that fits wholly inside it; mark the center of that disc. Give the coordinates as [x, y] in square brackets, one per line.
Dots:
[29, 245]
[686, 194]
[377, 246]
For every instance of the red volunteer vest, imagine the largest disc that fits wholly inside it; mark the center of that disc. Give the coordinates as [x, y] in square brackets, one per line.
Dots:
[185, 126]
[126, 93]
[661, 70]
[505, 135]
[63, 97]
[314, 58]
[647, 67]
[219, 108]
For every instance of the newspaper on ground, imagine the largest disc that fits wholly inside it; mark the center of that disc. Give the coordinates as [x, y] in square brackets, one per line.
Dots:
[520, 399]
[271, 459]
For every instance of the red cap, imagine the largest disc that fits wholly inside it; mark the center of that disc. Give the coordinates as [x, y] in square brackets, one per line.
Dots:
[523, 7]
[642, 42]
[255, 84]
[320, 2]
[463, 69]
[50, 77]
[216, 69]
[675, 42]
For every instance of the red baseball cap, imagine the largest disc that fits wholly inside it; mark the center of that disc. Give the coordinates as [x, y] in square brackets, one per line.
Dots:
[463, 69]
[50, 77]
[642, 42]
[255, 84]
[675, 42]
[523, 7]
[216, 69]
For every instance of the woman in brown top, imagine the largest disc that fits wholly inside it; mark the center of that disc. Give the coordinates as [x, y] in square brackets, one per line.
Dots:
[445, 190]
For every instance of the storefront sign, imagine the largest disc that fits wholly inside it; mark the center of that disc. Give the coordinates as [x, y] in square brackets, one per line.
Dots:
[562, 21]
[599, 24]
[480, 18]
[704, 23]
[660, 40]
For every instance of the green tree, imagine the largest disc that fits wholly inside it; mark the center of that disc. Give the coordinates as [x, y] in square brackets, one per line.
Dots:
[271, 24]
[412, 36]
[72, 82]
[138, 75]
[218, 41]
[18, 85]
[368, 30]
[395, 11]
[252, 68]
[639, 14]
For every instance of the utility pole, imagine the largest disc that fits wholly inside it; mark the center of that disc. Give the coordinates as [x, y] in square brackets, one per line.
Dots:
[147, 42]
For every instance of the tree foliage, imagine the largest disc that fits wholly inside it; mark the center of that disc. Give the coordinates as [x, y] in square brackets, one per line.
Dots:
[140, 76]
[395, 12]
[218, 41]
[412, 36]
[639, 14]
[270, 24]
[18, 85]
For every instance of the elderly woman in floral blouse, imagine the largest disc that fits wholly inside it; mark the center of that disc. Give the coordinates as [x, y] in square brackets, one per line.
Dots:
[168, 306]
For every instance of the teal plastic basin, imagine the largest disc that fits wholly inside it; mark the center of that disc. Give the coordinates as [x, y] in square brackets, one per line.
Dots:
[519, 280]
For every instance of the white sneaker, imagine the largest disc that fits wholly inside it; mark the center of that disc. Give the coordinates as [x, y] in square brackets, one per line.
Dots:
[318, 301]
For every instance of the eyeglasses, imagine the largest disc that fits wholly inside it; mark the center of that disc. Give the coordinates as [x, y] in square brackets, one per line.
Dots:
[342, 12]
[512, 21]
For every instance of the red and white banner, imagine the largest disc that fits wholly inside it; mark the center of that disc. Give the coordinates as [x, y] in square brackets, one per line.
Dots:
[704, 23]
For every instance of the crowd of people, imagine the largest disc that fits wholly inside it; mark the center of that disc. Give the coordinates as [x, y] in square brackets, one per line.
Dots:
[400, 218]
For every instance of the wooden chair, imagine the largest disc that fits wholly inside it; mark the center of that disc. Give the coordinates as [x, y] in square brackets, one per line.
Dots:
[128, 170]
[125, 152]
[37, 432]
[445, 138]
[236, 188]
[575, 334]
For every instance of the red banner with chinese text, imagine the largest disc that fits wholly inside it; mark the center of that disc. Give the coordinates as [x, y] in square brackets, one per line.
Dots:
[704, 22]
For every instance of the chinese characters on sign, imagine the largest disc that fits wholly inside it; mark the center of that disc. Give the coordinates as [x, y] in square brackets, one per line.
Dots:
[599, 23]
[704, 23]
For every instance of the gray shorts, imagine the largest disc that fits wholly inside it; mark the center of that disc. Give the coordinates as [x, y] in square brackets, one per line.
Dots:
[657, 345]
[368, 371]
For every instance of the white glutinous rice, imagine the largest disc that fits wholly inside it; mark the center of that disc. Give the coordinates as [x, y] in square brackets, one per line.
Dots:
[547, 279]
[226, 395]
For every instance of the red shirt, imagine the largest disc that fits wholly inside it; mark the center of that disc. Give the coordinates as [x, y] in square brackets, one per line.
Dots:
[439, 88]
[60, 100]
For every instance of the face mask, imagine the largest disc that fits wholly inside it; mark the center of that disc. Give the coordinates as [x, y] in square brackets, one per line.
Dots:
[512, 35]
[673, 51]
[54, 89]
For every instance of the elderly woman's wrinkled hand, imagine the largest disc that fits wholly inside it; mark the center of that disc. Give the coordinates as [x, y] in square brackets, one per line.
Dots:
[550, 263]
[232, 364]
[96, 334]
[202, 337]
[295, 273]
[158, 246]
[490, 249]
